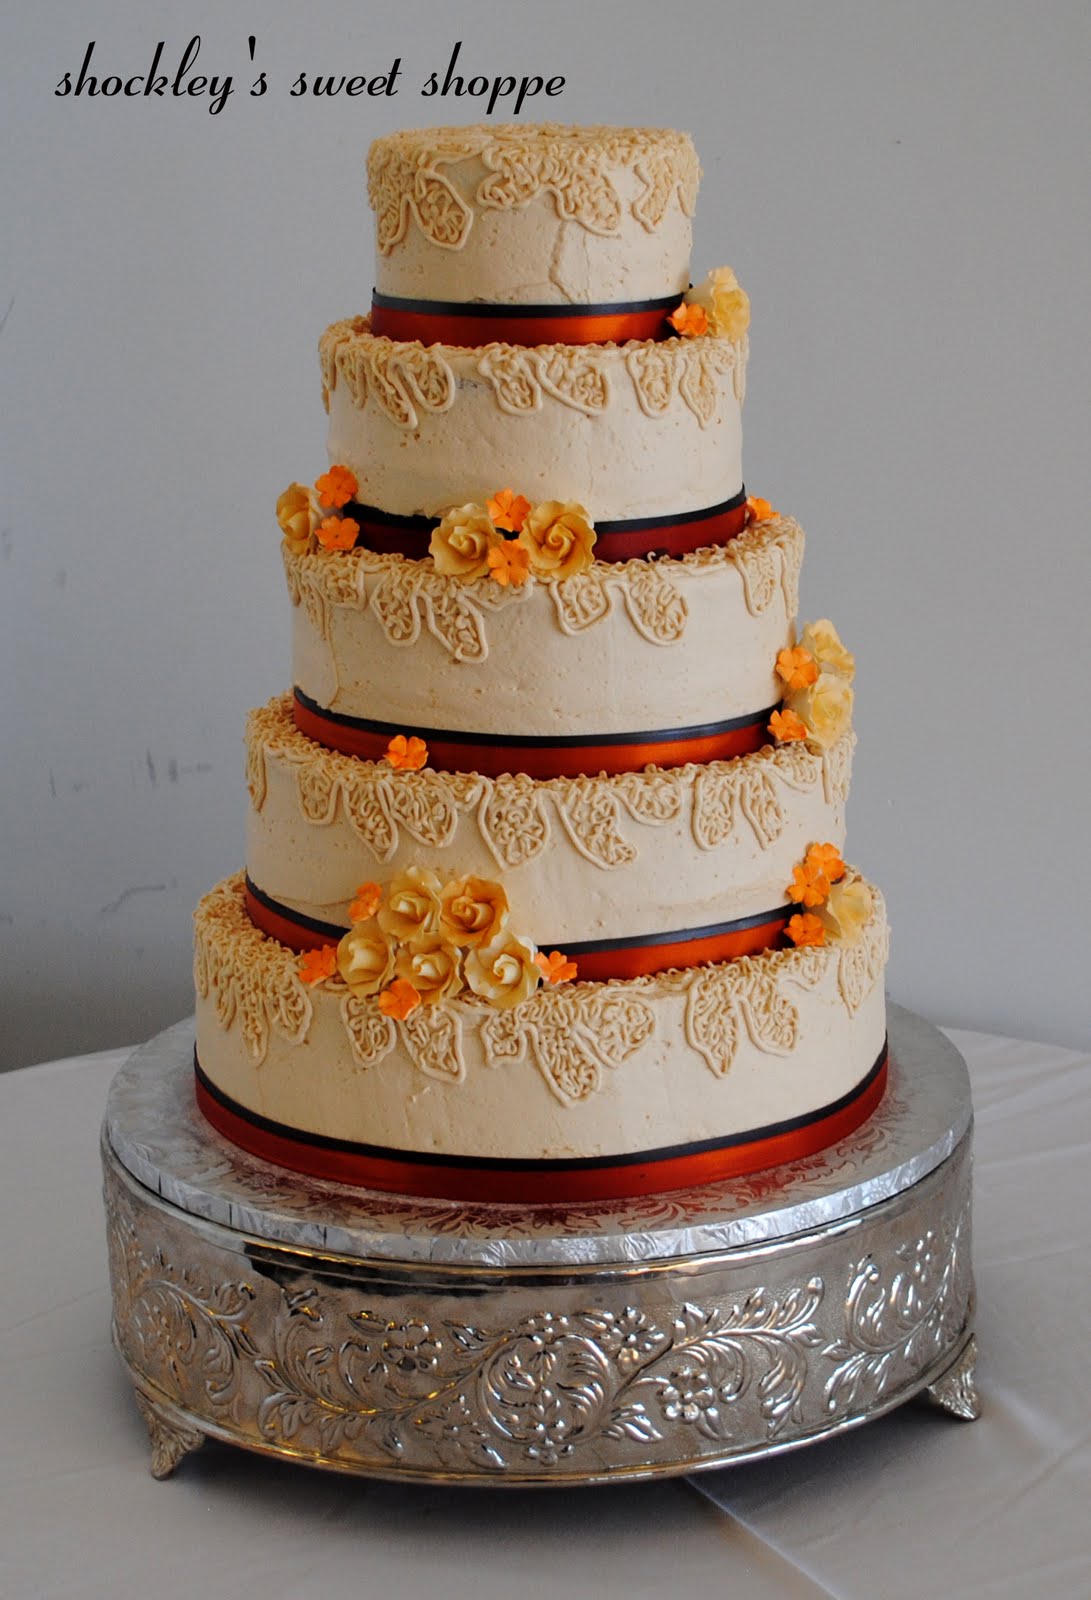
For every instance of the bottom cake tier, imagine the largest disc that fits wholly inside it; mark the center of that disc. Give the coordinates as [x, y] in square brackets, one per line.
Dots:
[583, 1091]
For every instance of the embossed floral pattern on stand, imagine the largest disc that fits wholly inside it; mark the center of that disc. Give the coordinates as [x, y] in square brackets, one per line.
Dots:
[554, 1379]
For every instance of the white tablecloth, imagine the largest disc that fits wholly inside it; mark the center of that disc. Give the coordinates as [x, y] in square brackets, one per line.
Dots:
[912, 1505]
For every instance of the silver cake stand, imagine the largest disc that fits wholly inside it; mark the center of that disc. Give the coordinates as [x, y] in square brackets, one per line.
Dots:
[425, 1340]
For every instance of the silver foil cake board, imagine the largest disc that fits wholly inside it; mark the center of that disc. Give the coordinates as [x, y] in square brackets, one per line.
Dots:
[425, 1340]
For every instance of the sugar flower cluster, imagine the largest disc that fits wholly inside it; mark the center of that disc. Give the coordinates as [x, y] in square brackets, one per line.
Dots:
[718, 306]
[420, 941]
[552, 540]
[836, 907]
[314, 516]
[817, 674]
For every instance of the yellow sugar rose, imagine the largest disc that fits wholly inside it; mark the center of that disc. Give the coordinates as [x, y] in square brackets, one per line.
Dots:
[460, 545]
[824, 707]
[299, 513]
[559, 537]
[504, 973]
[824, 643]
[847, 911]
[412, 904]
[432, 966]
[472, 911]
[726, 305]
[365, 958]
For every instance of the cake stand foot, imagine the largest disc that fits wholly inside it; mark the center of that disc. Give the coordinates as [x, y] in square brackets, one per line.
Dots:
[955, 1391]
[170, 1440]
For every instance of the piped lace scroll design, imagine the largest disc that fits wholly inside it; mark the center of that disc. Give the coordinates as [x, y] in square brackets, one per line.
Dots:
[724, 1001]
[860, 966]
[252, 980]
[402, 379]
[431, 1037]
[406, 597]
[409, 178]
[571, 1035]
[517, 817]
[755, 789]
[407, 380]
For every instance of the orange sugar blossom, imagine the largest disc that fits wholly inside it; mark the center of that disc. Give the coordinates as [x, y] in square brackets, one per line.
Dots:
[556, 967]
[796, 668]
[337, 487]
[508, 510]
[315, 966]
[689, 321]
[401, 999]
[337, 533]
[406, 755]
[786, 726]
[758, 510]
[808, 886]
[826, 858]
[815, 875]
[366, 903]
[806, 929]
[509, 562]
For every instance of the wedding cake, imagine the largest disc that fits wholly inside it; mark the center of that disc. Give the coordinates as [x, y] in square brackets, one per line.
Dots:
[544, 897]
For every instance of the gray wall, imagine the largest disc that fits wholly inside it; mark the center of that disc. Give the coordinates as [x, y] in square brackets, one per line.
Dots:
[901, 189]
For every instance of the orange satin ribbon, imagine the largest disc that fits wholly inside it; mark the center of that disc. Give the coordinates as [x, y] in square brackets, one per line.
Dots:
[441, 327]
[594, 966]
[537, 761]
[536, 1185]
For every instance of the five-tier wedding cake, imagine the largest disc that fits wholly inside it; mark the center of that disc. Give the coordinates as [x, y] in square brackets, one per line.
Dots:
[544, 897]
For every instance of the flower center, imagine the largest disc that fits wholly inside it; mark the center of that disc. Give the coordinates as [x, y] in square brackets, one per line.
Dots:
[470, 913]
[506, 969]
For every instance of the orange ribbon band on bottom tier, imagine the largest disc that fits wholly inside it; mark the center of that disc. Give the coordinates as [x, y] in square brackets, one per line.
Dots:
[574, 759]
[623, 960]
[538, 1183]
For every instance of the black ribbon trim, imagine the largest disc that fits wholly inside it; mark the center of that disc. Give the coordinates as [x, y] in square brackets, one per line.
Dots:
[422, 524]
[490, 308]
[520, 741]
[322, 1141]
[330, 930]
[677, 519]
[636, 941]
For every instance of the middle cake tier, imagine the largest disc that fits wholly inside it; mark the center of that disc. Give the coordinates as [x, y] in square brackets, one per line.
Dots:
[631, 873]
[678, 654]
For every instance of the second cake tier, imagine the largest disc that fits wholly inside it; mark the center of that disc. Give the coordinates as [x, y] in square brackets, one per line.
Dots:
[645, 429]
[631, 873]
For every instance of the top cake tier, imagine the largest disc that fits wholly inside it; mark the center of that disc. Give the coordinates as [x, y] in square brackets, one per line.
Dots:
[547, 215]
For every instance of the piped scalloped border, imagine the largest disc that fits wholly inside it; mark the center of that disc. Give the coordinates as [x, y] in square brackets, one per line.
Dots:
[405, 594]
[405, 378]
